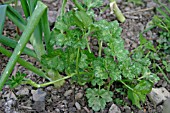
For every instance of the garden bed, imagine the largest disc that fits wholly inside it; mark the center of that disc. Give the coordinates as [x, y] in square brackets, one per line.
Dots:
[71, 98]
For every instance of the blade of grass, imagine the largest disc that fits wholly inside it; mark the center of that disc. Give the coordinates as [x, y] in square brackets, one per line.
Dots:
[46, 30]
[31, 5]
[166, 78]
[36, 41]
[15, 17]
[2, 16]
[25, 8]
[24, 63]
[78, 5]
[12, 43]
[32, 23]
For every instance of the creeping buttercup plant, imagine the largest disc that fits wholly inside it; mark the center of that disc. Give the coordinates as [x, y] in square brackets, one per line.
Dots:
[68, 51]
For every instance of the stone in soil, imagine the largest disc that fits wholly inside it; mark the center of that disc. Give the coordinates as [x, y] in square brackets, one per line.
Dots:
[166, 106]
[38, 95]
[10, 95]
[127, 109]
[23, 91]
[39, 106]
[67, 93]
[52, 17]
[158, 95]
[78, 96]
[114, 109]
[78, 106]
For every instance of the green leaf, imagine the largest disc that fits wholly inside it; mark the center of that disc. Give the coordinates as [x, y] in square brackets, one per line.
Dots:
[168, 67]
[142, 39]
[16, 80]
[84, 18]
[97, 81]
[97, 98]
[134, 98]
[139, 92]
[144, 87]
[106, 95]
[83, 61]
[93, 3]
[99, 69]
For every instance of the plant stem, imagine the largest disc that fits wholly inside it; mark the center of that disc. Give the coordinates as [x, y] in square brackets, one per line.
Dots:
[166, 78]
[32, 83]
[77, 61]
[63, 7]
[25, 64]
[114, 8]
[100, 48]
[32, 23]
[86, 37]
[46, 30]
[126, 85]
[78, 5]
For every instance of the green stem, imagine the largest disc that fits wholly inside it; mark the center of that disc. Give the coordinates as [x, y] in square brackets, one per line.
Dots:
[114, 8]
[24, 63]
[46, 30]
[63, 7]
[88, 46]
[126, 85]
[32, 83]
[100, 48]
[86, 38]
[77, 61]
[166, 78]
[110, 83]
[78, 5]
[25, 8]
[32, 23]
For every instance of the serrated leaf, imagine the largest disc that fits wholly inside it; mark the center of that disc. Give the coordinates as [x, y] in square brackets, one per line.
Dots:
[97, 81]
[93, 3]
[144, 87]
[16, 80]
[97, 98]
[140, 92]
[99, 69]
[134, 98]
[84, 18]
[106, 95]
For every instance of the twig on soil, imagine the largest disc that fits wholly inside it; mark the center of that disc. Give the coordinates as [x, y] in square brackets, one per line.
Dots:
[141, 10]
[25, 107]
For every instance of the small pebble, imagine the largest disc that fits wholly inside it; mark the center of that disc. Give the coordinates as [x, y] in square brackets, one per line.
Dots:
[78, 106]
[78, 96]
[68, 93]
[164, 84]
[38, 95]
[23, 91]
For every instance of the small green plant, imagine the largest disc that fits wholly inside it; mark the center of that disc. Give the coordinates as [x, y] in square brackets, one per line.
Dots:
[162, 21]
[68, 50]
[16, 80]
